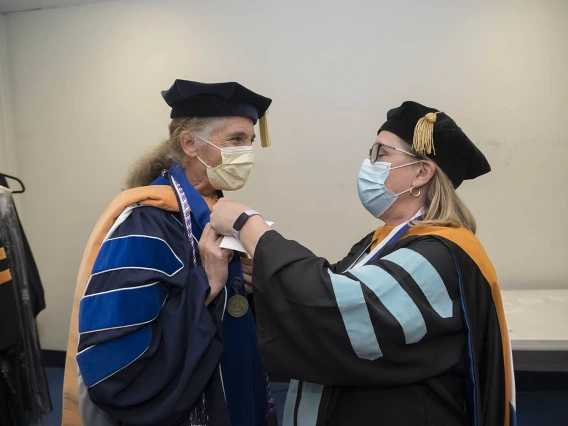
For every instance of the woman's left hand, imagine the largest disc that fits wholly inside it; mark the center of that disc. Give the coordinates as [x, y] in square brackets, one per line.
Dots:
[224, 214]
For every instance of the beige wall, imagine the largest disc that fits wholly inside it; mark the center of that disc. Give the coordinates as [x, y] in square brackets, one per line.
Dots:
[85, 86]
[7, 155]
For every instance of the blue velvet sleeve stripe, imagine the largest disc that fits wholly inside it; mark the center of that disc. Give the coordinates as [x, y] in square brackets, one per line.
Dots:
[99, 362]
[427, 278]
[353, 308]
[137, 252]
[121, 308]
[395, 299]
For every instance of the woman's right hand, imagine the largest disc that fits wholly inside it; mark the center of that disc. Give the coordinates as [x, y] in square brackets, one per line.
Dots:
[215, 261]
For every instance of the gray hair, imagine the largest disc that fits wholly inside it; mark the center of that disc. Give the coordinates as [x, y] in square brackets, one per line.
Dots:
[150, 165]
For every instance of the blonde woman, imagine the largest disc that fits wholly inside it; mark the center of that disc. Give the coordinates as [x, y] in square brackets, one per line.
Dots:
[407, 329]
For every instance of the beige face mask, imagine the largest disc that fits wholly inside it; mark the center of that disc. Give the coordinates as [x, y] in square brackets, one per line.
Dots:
[234, 170]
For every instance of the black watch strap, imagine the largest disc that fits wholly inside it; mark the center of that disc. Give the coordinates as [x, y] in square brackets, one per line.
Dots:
[241, 220]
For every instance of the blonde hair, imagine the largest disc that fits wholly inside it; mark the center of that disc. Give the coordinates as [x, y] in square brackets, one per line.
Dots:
[443, 205]
[146, 169]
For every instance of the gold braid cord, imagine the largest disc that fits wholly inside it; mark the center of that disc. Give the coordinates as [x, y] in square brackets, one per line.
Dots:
[264, 135]
[423, 140]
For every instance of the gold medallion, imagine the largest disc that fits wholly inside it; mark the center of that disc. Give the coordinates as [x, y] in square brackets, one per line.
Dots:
[237, 306]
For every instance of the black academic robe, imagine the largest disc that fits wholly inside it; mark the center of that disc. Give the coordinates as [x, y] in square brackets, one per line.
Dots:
[8, 308]
[23, 383]
[412, 338]
[9, 334]
[37, 297]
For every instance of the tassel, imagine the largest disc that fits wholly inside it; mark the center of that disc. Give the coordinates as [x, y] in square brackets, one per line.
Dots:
[423, 140]
[272, 415]
[264, 135]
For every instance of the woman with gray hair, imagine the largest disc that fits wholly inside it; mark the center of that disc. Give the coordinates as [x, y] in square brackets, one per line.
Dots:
[407, 329]
[161, 327]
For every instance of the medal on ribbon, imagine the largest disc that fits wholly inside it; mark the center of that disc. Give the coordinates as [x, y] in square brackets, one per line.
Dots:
[238, 305]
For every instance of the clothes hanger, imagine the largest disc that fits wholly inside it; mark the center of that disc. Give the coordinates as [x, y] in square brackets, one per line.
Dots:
[23, 188]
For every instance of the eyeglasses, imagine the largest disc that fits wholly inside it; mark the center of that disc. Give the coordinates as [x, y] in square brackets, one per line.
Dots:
[374, 151]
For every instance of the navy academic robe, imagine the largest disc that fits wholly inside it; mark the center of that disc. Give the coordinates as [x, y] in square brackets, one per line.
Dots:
[149, 348]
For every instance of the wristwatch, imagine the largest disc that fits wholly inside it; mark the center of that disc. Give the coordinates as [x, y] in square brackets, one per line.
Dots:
[241, 220]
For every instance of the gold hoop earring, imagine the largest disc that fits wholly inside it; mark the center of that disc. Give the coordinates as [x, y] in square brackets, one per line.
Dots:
[415, 195]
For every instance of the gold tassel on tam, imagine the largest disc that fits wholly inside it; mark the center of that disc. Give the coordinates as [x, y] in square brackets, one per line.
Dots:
[264, 135]
[423, 140]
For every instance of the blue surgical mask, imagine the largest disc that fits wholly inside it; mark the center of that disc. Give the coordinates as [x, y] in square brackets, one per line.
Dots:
[373, 193]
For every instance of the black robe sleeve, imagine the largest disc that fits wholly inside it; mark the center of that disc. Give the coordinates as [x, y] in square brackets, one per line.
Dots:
[355, 251]
[392, 322]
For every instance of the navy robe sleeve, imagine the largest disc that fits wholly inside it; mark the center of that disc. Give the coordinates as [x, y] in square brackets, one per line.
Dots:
[395, 321]
[148, 344]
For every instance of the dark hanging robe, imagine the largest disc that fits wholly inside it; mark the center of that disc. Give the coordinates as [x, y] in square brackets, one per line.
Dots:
[37, 297]
[22, 369]
[150, 352]
[11, 411]
[8, 307]
[416, 336]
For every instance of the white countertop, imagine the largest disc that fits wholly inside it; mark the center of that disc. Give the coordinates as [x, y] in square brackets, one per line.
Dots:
[537, 319]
